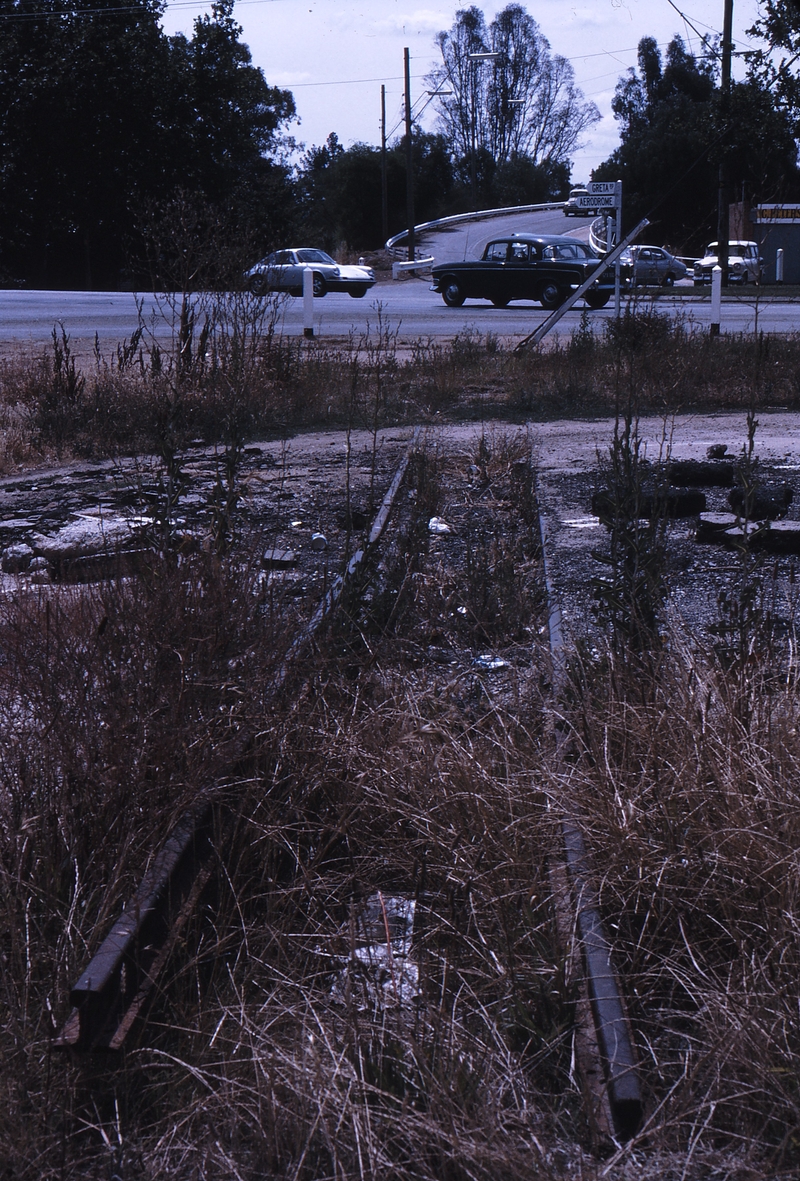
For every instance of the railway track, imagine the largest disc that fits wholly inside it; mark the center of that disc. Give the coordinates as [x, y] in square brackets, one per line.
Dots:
[113, 990]
[116, 987]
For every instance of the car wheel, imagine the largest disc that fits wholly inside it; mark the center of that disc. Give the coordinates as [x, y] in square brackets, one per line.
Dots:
[452, 292]
[259, 285]
[500, 303]
[358, 292]
[551, 296]
[669, 280]
[597, 299]
[320, 287]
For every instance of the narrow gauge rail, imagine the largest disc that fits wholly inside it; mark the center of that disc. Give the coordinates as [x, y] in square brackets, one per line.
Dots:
[616, 1106]
[114, 988]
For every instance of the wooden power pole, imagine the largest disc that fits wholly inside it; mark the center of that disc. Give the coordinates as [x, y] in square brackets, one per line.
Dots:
[384, 184]
[723, 203]
[409, 161]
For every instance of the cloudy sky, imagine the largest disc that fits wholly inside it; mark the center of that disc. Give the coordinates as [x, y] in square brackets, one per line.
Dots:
[334, 54]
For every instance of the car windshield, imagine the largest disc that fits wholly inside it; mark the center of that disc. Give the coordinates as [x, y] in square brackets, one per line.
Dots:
[314, 256]
[735, 249]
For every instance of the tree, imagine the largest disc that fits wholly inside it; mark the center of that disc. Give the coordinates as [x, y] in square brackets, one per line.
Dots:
[772, 67]
[522, 103]
[102, 115]
[340, 189]
[673, 133]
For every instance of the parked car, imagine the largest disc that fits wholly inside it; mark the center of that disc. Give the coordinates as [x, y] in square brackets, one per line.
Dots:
[283, 271]
[744, 263]
[652, 266]
[573, 209]
[546, 268]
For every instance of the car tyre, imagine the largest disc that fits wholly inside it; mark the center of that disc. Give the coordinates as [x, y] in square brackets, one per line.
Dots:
[358, 292]
[597, 299]
[551, 296]
[669, 280]
[452, 292]
[320, 286]
[259, 285]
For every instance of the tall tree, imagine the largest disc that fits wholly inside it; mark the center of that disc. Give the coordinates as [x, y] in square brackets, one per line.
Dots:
[776, 66]
[102, 114]
[672, 134]
[523, 102]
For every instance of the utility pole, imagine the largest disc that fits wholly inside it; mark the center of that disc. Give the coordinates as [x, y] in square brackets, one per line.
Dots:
[409, 161]
[723, 203]
[384, 186]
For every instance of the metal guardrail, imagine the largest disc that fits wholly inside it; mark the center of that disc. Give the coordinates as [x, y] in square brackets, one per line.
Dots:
[419, 264]
[477, 215]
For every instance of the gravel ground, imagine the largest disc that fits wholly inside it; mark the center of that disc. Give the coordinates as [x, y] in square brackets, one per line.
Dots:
[293, 490]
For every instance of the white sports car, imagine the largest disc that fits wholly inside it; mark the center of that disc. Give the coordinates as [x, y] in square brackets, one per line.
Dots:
[283, 271]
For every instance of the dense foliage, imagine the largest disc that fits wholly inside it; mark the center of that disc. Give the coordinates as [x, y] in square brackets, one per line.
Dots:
[103, 118]
[674, 129]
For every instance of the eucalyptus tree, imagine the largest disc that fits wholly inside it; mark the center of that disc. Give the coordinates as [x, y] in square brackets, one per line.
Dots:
[502, 93]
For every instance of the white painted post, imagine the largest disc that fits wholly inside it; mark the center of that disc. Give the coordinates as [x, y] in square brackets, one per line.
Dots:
[716, 299]
[308, 302]
[779, 266]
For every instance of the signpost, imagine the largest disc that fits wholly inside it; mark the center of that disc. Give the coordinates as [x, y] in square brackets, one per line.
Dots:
[607, 194]
[601, 201]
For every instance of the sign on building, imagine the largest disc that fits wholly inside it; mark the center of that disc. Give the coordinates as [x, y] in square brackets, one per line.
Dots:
[775, 215]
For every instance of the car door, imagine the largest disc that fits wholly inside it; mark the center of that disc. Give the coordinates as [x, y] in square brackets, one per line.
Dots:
[660, 266]
[519, 277]
[493, 278]
[644, 267]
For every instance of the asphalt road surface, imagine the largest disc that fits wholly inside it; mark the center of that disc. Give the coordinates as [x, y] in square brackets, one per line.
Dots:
[27, 318]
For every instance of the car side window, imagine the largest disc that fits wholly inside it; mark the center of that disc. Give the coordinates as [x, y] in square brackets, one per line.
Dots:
[519, 251]
[497, 251]
[559, 251]
[283, 258]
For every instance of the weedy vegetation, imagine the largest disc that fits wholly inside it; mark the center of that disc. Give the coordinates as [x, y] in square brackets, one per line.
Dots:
[373, 985]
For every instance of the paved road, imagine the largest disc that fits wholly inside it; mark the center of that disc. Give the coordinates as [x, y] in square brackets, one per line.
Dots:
[468, 239]
[27, 318]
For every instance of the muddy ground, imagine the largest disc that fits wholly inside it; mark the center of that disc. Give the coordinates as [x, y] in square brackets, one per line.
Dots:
[302, 504]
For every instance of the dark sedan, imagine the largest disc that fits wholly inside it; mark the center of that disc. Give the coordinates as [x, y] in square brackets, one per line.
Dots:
[545, 268]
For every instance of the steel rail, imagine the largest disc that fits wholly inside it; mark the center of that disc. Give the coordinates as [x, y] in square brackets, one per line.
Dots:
[611, 1024]
[116, 985]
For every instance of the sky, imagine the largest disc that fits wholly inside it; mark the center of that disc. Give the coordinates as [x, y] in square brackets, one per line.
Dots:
[334, 54]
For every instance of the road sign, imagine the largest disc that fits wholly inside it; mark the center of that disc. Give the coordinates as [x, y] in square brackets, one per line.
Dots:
[609, 201]
[603, 187]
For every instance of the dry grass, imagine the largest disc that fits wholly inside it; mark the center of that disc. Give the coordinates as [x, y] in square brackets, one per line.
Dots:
[229, 375]
[292, 1037]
